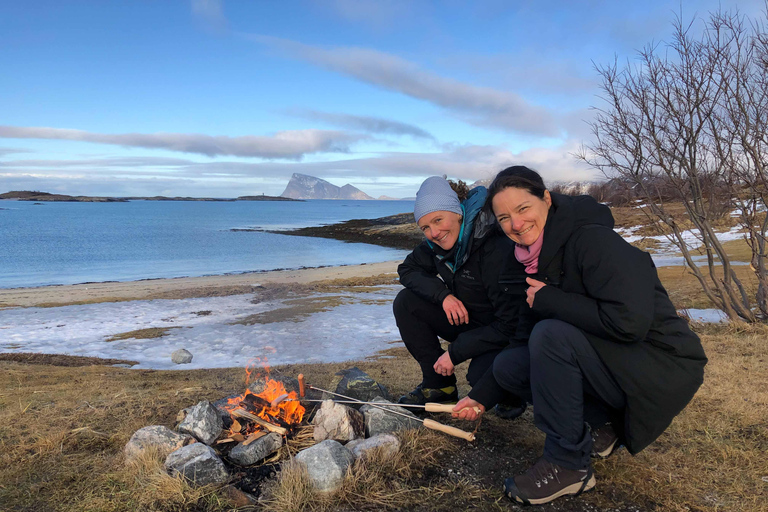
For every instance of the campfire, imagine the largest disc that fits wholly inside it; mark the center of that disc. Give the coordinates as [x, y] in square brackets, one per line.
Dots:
[256, 414]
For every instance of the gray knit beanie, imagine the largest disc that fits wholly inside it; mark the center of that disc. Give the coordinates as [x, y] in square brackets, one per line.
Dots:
[435, 194]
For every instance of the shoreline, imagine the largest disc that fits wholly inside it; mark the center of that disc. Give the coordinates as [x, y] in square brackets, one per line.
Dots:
[183, 287]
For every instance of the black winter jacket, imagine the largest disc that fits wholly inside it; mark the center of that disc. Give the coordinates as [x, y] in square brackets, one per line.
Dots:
[610, 290]
[476, 284]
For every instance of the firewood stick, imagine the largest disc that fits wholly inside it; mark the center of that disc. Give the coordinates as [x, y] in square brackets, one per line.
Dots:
[241, 413]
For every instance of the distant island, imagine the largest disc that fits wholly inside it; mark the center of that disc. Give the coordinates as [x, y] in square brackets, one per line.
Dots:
[299, 188]
[26, 195]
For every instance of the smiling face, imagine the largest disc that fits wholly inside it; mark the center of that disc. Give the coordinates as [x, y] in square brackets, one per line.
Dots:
[441, 228]
[520, 214]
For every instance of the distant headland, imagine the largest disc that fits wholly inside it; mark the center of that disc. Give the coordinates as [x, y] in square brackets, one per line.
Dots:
[26, 195]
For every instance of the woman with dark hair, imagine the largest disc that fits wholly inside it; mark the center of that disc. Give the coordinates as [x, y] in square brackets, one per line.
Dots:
[453, 291]
[610, 360]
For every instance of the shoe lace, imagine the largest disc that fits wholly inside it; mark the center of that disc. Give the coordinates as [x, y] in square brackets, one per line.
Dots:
[543, 472]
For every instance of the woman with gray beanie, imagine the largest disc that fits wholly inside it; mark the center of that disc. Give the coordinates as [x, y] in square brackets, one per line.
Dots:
[455, 290]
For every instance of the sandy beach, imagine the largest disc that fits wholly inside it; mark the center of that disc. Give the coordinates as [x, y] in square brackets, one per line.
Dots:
[184, 287]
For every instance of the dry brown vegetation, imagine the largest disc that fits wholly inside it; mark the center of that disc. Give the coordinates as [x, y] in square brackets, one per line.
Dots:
[64, 421]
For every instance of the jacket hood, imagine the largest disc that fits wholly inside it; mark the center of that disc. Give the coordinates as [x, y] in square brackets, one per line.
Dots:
[566, 215]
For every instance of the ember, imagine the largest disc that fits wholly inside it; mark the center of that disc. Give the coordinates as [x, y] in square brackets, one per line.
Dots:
[253, 414]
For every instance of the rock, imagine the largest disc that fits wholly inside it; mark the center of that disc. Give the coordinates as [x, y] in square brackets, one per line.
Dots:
[361, 447]
[198, 463]
[378, 421]
[238, 498]
[159, 437]
[181, 356]
[290, 383]
[204, 422]
[326, 464]
[357, 384]
[338, 422]
[247, 455]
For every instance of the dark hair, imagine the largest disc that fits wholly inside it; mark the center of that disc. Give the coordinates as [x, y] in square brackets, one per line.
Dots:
[517, 176]
[461, 189]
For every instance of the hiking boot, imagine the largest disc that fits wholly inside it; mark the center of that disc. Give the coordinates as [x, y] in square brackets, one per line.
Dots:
[422, 395]
[604, 441]
[510, 411]
[545, 481]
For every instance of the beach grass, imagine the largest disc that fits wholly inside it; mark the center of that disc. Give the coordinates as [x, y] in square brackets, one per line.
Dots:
[63, 428]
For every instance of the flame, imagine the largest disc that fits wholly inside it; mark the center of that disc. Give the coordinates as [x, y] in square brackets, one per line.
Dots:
[289, 412]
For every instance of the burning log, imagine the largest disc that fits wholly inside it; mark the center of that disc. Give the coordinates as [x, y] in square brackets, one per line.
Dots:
[256, 404]
[242, 413]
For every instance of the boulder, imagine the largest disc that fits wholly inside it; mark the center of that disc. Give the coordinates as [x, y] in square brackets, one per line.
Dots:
[181, 356]
[161, 438]
[357, 384]
[263, 447]
[360, 447]
[260, 384]
[198, 463]
[379, 421]
[204, 422]
[338, 422]
[326, 464]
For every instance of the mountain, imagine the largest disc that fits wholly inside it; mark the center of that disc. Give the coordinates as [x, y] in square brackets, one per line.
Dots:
[302, 186]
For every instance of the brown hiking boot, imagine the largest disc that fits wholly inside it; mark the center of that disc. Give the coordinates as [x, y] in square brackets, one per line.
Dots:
[604, 441]
[545, 481]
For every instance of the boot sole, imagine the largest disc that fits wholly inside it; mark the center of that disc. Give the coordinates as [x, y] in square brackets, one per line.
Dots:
[606, 452]
[573, 489]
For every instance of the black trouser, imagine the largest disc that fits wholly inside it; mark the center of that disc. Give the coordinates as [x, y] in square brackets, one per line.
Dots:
[420, 323]
[569, 387]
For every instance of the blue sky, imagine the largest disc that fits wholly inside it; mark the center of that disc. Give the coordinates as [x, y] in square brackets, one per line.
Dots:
[225, 98]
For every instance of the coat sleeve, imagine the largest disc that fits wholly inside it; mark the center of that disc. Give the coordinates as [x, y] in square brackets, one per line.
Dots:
[618, 303]
[419, 274]
[496, 260]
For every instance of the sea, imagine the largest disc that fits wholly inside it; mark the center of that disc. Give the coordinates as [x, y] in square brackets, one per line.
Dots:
[59, 243]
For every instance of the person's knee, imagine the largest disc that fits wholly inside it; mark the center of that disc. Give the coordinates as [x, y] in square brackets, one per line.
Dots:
[511, 369]
[550, 337]
[403, 303]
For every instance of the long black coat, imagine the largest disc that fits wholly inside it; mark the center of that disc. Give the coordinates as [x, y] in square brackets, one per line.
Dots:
[610, 290]
[477, 285]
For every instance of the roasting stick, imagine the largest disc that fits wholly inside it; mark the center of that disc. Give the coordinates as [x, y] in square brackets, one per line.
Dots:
[430, 424]
[429, 406]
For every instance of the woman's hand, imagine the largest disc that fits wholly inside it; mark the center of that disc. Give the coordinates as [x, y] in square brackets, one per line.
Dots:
[464, 410]
[532, 289]
[444, 365]
[455, 311]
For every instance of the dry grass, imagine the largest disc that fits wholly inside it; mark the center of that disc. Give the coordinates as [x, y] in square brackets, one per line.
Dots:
[713, 457]
[63, 428]
[375, 482]
[685, 291]
[142, 334]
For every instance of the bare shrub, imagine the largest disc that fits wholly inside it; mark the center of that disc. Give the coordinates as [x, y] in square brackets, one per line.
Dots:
[689, 124]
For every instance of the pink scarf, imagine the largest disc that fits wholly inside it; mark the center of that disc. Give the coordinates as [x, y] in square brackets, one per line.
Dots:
[529, 255]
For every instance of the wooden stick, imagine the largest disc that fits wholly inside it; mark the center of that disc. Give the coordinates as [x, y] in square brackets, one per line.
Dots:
[251, 438]
[277, 401]
[241, 413]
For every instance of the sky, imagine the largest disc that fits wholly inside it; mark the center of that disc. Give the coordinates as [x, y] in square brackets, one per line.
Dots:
[225, 98]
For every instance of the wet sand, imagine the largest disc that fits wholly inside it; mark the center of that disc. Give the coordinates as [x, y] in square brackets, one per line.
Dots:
[183, 287]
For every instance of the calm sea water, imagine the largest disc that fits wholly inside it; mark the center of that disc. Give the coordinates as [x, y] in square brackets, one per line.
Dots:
[67, 243]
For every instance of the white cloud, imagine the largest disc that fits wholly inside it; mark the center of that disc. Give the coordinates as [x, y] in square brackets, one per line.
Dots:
[211, 15]
[291, 145]
[481, 106]
[367, 124]
[391, 173]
